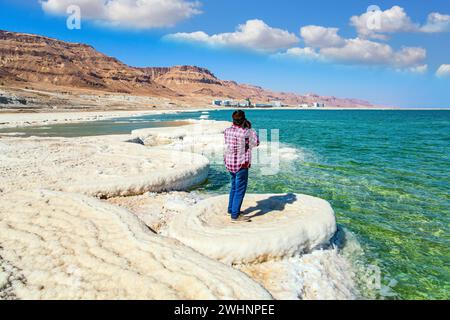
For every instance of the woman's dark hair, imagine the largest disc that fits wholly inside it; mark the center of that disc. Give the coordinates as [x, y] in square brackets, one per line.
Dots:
[239, 118]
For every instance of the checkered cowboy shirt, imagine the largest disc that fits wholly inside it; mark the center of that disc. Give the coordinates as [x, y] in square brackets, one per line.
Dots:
[239, 143]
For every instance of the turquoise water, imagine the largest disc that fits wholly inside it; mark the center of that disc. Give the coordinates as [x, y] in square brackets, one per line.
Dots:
[386, 174]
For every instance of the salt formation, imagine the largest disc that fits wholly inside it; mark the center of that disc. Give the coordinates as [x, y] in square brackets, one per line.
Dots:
[319, 275]
[97, 166]
[204, 137]
[156, 209]
[193, 128]
[199, 136]
[283, 226]
[70, 246]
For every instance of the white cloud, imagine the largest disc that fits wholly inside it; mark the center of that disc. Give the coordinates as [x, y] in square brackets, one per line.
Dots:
[409, 57]
[437, 22]
[141, 14]
[373, 23]
[378, 23]
[254, 34]
[321, 37]
[421, 69]
[443, 71]
[362, 51]
[198, 36]
[357, 51]
[326, 44]
[307, 53]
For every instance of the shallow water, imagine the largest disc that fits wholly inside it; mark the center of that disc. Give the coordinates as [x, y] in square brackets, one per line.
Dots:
[386, 173]
[92, 128]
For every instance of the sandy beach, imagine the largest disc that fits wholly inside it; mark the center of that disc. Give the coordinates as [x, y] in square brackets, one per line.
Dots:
[77, 213]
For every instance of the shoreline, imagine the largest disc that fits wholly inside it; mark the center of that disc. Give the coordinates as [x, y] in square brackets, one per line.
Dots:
[10, 120]
[20, 120]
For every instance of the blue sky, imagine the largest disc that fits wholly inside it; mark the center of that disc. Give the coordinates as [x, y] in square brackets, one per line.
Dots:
[282, 45]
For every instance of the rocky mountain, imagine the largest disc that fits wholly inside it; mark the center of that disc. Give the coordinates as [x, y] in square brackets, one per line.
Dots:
[196, 81]
[28, 58]
[31, 59]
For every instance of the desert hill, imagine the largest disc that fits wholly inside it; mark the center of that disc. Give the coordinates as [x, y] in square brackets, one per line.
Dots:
[31, 60]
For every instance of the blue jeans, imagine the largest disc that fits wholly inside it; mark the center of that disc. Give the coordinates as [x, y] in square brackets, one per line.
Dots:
[239, 182]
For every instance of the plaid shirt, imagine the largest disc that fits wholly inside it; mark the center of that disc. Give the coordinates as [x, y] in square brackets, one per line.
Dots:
[239, 143]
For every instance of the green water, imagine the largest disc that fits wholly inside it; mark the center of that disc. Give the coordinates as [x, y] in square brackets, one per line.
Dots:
[386, 174]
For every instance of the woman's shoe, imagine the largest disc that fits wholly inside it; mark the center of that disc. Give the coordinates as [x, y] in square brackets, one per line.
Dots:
[241, 219]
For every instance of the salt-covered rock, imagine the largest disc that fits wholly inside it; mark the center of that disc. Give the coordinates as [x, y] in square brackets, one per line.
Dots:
[177, 205]
[155, 210]
[98, 166]
[66, 246]
[319, 275]
[206, 137]
[193, 128]
[282, 226]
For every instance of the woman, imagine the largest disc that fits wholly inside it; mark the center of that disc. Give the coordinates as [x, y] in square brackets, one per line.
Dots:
[240, 140]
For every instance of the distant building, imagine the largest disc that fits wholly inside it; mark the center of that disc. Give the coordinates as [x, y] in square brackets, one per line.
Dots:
[263, 105]
[227, 103]
[230, 103]
[304, 105]
[244, 104]
[277, 104]
[318, 105]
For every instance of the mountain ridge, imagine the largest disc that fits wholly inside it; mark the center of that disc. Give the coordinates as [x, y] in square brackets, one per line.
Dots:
[27, 59]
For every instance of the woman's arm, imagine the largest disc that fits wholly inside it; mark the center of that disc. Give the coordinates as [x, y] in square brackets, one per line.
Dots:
[253, 139]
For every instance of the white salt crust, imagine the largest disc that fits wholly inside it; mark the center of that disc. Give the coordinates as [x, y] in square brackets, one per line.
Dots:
[70, 246]
[282, 226]
[100, 166]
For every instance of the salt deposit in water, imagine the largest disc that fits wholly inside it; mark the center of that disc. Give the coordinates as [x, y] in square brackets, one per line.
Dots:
[97, 166]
